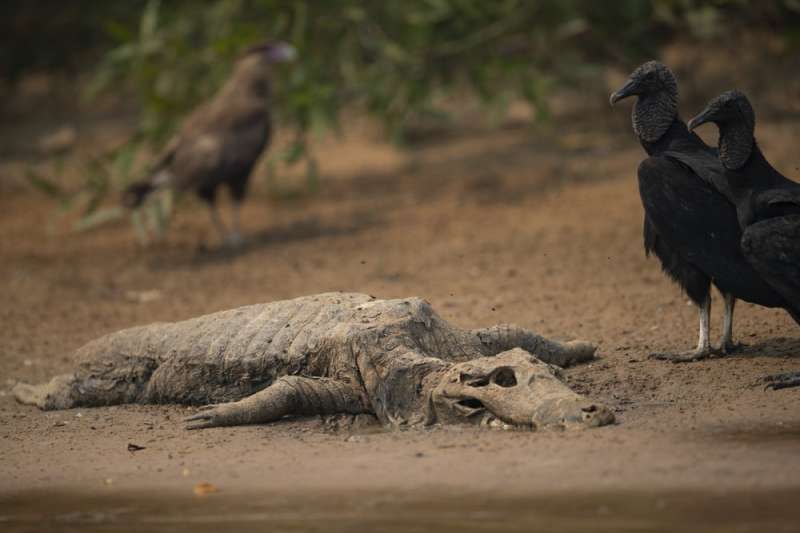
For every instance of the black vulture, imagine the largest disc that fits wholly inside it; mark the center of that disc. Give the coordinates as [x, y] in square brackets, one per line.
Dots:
[221, 140]
[690, 226]
[767, 202]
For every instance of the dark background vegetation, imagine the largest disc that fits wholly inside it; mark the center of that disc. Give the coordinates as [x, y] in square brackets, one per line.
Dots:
[395, 60]
[390, 57]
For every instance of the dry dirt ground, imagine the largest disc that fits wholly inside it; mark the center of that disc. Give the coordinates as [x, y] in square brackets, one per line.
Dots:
[537, 227]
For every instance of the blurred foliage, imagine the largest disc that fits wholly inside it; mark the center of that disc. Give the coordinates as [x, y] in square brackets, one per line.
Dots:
[394, 59]
[57, 35]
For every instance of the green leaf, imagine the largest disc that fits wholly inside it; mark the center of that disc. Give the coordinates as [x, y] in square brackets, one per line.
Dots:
[139, 228]
[149, 21]
[312, 173]
[98, 218]
[118, 31]
[44, 185]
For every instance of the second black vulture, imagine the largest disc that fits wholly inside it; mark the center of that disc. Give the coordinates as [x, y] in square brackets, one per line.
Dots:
[767, 202]
[689, 225]
[221, 140]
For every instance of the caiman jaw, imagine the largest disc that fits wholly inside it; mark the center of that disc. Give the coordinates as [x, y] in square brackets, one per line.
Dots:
[469, 407]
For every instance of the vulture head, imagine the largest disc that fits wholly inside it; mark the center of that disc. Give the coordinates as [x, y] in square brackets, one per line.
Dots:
[657, 105]
[734, 116]
[649, 79]
[730, 107]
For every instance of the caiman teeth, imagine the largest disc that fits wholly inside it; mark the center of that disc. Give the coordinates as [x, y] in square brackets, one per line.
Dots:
[491, 421]
[469, 411]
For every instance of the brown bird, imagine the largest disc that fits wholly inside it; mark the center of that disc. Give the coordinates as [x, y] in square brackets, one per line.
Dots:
[220, 141]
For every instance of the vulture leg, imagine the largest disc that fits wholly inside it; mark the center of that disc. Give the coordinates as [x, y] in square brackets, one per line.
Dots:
[703, 350]
[289, 395]
[726, 344]
[783, 381]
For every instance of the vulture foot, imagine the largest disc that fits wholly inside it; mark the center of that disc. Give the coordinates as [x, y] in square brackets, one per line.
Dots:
[731, 347]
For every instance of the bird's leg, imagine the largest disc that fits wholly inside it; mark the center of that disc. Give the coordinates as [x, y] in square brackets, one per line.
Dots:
[703, 342]
[216, 221]
[703, 350]
[726, 344]
[783, 381]
[234, 238]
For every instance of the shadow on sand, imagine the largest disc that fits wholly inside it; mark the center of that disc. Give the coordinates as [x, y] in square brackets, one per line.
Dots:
[306, 229]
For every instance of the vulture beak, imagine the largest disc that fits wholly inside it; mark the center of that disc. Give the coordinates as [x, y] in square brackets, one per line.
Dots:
[705, 116]
[629, 89]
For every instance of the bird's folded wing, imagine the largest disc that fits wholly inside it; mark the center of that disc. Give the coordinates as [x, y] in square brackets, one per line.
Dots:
[775, 197]
[706, 166]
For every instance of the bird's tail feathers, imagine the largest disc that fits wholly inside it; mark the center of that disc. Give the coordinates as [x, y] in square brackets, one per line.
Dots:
[136, 193]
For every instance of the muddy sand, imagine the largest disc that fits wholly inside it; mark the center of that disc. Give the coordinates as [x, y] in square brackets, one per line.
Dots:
[539, 228]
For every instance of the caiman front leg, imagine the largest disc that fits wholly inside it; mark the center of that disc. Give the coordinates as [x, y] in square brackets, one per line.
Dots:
[497, 339]
[289, 395]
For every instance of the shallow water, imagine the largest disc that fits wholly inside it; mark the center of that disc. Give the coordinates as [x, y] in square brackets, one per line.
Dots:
[598, 512]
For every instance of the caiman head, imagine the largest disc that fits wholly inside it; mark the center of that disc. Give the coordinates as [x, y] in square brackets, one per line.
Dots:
[513, 389]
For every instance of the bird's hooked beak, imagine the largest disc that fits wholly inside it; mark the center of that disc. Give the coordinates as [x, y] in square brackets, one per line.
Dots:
[282, 53]
[705, 116]
[629, 89]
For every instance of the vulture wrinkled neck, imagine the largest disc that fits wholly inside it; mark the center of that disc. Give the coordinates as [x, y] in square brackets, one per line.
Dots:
[653, 114]
[736, 142]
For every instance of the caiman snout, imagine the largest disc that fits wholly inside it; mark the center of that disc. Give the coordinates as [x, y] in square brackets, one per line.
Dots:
[571, 413]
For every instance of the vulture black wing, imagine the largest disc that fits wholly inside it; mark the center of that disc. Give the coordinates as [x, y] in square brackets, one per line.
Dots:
[773, 247]
[691, 278]
[701, 226]
[704, 163]
[777, 202]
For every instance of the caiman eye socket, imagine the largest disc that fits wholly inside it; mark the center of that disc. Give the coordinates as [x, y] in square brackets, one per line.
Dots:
[474, 381]
[504, 377]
